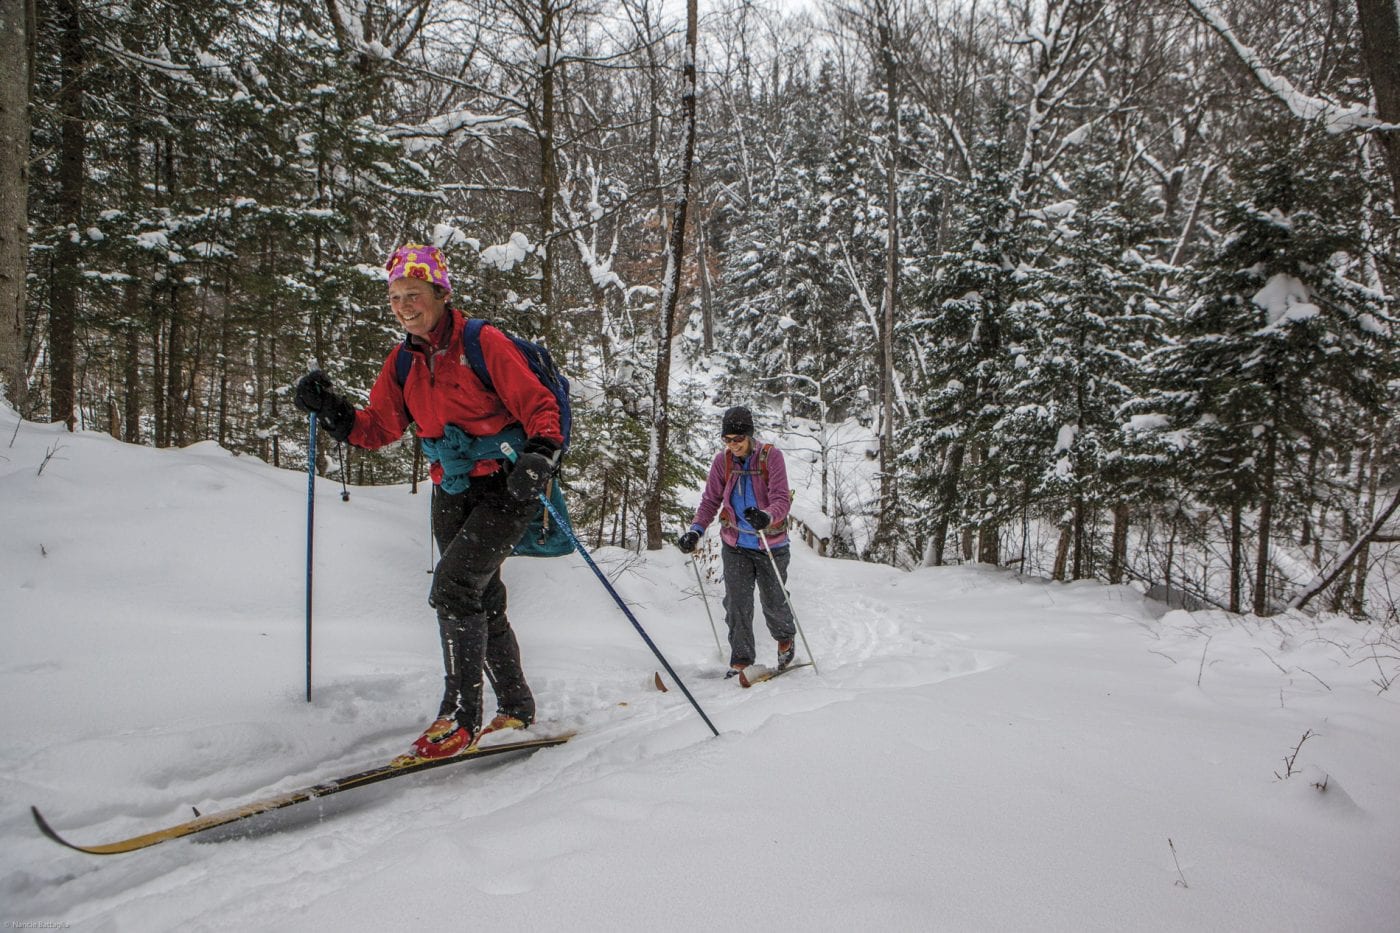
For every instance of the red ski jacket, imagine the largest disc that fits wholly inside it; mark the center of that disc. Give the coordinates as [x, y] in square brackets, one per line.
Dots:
[441, 389]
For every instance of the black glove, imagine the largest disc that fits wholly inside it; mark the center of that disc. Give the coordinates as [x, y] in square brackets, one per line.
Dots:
[758, 518]
[688, 541]
[333, 412]
[533, 468]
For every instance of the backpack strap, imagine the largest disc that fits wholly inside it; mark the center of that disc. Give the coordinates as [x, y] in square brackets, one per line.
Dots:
[763, 450]
[403, 363]
[471, 347]
[724, 511]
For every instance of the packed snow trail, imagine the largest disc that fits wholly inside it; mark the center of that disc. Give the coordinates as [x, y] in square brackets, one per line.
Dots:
[980, 751]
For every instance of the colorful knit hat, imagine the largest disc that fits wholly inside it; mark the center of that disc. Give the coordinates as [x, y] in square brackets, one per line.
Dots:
[417, 261]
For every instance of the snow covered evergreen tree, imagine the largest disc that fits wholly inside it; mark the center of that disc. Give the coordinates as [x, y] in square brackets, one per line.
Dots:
[962, 324]
[1282, 353]
[1087, 315]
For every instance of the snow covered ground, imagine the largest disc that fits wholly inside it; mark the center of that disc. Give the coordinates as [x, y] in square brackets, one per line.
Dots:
[978, 751]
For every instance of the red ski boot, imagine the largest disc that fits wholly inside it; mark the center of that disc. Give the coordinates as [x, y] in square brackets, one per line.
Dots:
[443, 739]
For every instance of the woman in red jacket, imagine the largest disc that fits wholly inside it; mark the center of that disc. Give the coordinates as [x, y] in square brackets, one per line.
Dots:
[481, 504]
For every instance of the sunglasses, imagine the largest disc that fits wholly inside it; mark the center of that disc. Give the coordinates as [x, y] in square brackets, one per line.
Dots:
[733, 438]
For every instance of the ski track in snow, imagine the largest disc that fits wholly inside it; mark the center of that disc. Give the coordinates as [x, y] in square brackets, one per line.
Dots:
[866, 642]
[1055, 733]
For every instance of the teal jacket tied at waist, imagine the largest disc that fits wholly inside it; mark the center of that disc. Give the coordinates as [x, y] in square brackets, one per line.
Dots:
[457, 452]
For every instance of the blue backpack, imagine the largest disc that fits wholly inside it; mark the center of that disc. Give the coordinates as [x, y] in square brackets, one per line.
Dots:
[541, 364]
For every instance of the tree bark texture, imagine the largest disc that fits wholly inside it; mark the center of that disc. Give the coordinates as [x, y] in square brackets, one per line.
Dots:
[670, 292]
[14, 198]
[1379, 21]
[67, 274]
[889, 67]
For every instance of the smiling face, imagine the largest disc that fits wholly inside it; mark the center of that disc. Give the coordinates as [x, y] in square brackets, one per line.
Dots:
[416, 305]
[740, 445]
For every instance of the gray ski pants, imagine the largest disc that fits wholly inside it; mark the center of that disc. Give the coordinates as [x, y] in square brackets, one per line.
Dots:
[743, 568]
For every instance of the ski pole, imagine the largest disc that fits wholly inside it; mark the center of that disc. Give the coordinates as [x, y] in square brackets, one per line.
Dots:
[701, 583]
[509, 451]
[432, 537]
[787, 599]
[310, 531]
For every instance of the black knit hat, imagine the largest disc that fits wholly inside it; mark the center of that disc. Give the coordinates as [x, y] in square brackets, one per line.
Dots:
[737, 420]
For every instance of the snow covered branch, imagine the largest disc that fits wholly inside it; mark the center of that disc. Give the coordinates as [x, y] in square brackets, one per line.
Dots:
[1337, 118]
[1325, 580]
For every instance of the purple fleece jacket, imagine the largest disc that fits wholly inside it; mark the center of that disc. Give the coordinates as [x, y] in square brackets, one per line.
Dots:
[774, 496]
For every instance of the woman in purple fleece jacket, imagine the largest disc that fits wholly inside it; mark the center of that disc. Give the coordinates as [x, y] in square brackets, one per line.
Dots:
[748, 490]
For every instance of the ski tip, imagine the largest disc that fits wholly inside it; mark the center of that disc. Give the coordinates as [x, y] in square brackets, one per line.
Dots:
[51, 833]
[659, 683]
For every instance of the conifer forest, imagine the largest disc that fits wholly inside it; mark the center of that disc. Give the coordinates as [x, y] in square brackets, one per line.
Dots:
[1107, 287]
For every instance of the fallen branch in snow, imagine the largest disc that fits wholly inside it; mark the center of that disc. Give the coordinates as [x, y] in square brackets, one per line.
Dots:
[1202, 671]
[55, 448]
[1384, 680]
[1181, 882]
[1290, 760]
[1315, 677]
[1271, 660]
[1324, 581]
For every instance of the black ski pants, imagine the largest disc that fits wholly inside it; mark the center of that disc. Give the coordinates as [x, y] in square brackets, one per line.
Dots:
[475, 531]
[743, 568]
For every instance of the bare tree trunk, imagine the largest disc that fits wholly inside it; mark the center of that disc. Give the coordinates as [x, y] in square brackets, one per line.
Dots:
[1080, 545]
[947, 498]
[174, 367]
[1236, 555]
[707, 311]
[989, 543]
[226, 352]
[549, 169]
[670, 296]
[133, 291]
[1363, 553]
[1379, 21]
[1349, 533]
[14, 197]
[131, 374]
[63, 307]
[1118, 559]
[889, 67]
[1266, 516]
[1062, 551]
[158, 415]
